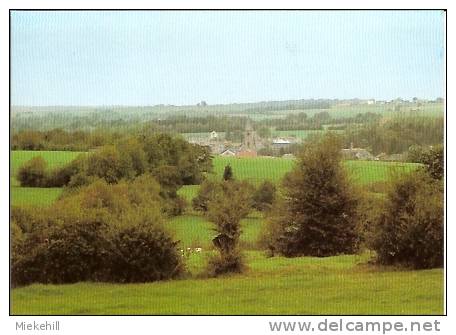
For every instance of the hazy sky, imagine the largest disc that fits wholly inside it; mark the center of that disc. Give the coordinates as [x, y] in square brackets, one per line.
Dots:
[182, 57]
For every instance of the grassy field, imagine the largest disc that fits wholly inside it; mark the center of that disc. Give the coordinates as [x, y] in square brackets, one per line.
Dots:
[37, 196]
[333, 285]
[261, 168]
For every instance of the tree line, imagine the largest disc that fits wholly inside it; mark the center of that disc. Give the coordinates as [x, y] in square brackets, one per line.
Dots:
[396, 135]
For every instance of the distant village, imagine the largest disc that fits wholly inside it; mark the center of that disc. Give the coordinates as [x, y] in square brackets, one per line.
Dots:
[252, 145]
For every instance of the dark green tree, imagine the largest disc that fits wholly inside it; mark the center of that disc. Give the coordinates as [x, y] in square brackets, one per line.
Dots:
[228, 173]
[317, 216]
[264, 196]
[206, 192]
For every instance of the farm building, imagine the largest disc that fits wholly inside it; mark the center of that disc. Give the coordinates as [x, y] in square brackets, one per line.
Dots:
[280, 143]
[228, 153]
[357, 153]
[246, 153]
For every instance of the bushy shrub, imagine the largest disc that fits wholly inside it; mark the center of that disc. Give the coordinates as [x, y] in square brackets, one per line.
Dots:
[409, 230]
[33, 173]
[107, 164]
[174, 206]
[133, 156]
[77, 250]
[432, 157]
[28, 259]
[230, 204]
[143, 252]
[80, 179]
[228, 173]
[434, 162]
[220, 264]
[206, 192]
[170, 181]
[61, 176]
[264, 196]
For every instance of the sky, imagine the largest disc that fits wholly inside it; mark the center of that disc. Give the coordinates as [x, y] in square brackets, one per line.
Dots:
[182, 57]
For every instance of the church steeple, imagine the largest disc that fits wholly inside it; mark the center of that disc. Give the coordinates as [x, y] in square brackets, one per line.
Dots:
[249, 137]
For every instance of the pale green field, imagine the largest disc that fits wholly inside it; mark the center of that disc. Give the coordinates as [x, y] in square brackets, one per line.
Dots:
[273, 169]
[338, 285]
[34, 196]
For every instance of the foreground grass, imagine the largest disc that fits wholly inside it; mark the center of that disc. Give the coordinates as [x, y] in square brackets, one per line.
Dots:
[334, 285]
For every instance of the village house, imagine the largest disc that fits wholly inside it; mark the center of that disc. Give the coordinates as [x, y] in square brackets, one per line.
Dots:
[357, 153]
[280, 143]
[213, 136]
[228, 153]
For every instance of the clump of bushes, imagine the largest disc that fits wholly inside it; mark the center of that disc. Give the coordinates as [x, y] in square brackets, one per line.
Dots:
[172, 161]
[104, 232]
[409, 229]
[224, 263]
[33, 173]
[206, 192]
[431, 157]
[264, 196]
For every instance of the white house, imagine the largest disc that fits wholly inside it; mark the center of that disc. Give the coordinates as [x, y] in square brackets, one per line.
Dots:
[228, 152]
[213, 135]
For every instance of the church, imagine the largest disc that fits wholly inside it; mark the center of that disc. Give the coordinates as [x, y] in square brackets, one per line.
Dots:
[251, 142]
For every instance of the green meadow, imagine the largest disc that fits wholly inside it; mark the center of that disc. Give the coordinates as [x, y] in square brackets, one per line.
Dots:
[338, 285]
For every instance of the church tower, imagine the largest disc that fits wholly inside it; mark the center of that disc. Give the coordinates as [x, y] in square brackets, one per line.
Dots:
[249, 137]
